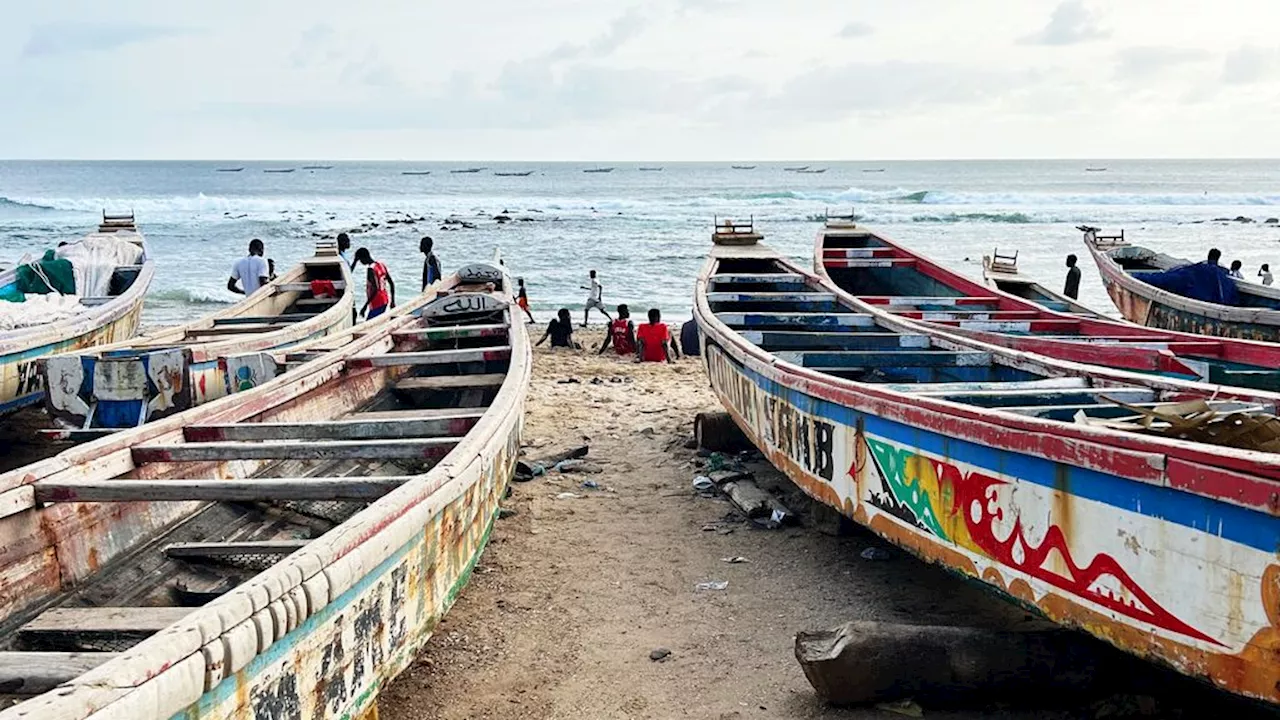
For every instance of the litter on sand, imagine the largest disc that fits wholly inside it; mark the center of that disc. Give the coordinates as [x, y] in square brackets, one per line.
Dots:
[736, 559]
[712, 585]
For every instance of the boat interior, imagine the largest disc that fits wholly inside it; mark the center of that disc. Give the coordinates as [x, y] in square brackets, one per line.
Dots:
[797, 320]
[881, 274]
[122, 277]
[1140, 262]
[1001, 269]
[223, 501]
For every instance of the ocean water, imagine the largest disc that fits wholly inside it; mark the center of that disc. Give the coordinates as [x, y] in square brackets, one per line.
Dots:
[646, 233]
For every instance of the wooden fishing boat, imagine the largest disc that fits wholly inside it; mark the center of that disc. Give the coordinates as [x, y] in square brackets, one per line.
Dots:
[1011, 469]
[126, 384]
[879, 271]
[1001, 271]
[1122, 266]
[101, 320]
[598, 170]
[279, 553]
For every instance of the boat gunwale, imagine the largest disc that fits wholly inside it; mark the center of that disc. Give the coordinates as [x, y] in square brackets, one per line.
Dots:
[164, 657]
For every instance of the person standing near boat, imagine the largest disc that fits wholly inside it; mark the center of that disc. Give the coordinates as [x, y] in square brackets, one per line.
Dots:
[1264, 272]
[430, 263]
[1235, 270]
[1072, 288]
[251, 270]
[522, 299]
[1214, 255]
[380, 289]
[653, 340]
[595, 299]
[344, 250]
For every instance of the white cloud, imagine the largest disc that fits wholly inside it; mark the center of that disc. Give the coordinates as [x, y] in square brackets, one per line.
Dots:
[1145, 62]
[1250, 64]
[856, 30]
[1070, 23]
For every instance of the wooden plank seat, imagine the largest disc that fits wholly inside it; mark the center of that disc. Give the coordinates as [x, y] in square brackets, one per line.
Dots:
[433, 357]
[457, 332]
[241, 490]
[393, 449]
[955, 300]
[770, 297]
[212, 550]
[418, 413]
[884, 359]
[854, 263]
[261, 319]
[450, 382]
[353, 428]
[1013, 398]
[1111, 410]
[322, 301]
[95, 301]
[27, 673]
[233, 330]
[1041, 385]
[797, 320]
[782, 340]
[305, 287]
[857, 252]
[778, 277]
[77, 628]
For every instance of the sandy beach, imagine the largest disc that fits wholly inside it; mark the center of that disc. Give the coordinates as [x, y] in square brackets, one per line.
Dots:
[574, 593]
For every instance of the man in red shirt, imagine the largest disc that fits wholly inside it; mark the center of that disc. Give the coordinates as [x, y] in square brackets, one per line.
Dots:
[380, 288]
[621, 334]
[653, 340]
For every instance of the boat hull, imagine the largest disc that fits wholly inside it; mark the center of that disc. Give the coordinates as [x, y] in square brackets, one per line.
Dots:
[1103, 544]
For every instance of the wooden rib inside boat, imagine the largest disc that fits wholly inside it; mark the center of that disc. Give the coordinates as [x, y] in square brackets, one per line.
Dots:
[294, 543]
[878, 271]
[1115, 502]
[164, 372]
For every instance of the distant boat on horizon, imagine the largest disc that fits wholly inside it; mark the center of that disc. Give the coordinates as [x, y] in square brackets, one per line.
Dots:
[650, 169]
[1095, 169]
[526, 173]
[317, 167]
[872, 169]
[801, 168]
[816, 171]
[415, 172]
[743, 167]
[464, 171]
[598, 170]
[279, 170]
[230, 169]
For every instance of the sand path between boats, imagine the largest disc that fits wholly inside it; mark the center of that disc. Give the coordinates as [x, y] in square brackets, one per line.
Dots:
[574, 593]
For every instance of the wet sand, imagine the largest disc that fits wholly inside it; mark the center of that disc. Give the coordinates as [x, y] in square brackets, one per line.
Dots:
[573, 594]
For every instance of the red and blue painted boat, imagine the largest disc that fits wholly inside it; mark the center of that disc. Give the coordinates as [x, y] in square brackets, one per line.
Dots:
[1008, 467]
[881, 272]
[1256, 315]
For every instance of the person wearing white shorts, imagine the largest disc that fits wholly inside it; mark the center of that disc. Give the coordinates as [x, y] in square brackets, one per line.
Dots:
[595, 295]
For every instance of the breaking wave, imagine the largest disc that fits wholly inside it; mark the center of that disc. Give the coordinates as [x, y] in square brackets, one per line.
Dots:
[189, 297]
[1013, 218]
[22, 205]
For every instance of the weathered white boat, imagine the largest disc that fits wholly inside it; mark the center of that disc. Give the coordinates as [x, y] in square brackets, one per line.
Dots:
[102, 320]
[1144, 510]
[279, 553]
[1127, 271]
[162, 373]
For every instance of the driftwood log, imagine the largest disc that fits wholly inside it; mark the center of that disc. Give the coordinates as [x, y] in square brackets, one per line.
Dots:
[753, 501]
[870, 662]
[717, 432]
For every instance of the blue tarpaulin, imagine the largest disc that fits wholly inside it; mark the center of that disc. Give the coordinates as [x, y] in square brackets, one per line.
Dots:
[1198, 281]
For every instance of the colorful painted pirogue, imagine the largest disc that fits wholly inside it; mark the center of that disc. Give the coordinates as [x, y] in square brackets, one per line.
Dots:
[878, 271]
[1014, 469]
[104, 319]
[1256, 316]
[164, 372]
[279, 553]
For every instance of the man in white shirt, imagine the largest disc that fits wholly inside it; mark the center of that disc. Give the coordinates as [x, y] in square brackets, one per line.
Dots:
[251, 270]
[595, 299]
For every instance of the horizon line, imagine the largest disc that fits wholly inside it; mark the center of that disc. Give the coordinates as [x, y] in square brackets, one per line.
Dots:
[650, 161]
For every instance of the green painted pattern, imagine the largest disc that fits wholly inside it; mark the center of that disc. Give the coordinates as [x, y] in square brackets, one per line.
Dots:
[899, 468]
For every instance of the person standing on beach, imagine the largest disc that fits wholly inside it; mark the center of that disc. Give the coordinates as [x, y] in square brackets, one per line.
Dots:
[522, 298]
[344, 250]
[251, 270]
[380, 289]
[621, 334]
[653, 340]
[1072, 288]
[595, 299]
[430, 263]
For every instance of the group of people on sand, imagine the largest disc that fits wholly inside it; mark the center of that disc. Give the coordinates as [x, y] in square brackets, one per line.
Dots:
[650, 341]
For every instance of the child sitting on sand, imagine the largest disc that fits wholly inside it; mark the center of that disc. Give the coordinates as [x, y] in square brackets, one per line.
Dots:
[560, 330]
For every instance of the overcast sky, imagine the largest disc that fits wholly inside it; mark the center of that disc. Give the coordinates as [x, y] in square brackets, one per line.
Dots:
[656, 80]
